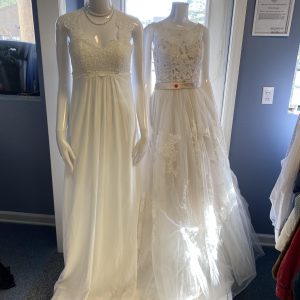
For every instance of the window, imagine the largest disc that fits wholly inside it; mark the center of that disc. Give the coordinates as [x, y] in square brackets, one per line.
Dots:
[156, 10]
[18, 57]
[294, 105]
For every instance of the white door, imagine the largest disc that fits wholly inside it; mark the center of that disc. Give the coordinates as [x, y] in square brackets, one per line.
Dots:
[219, 25]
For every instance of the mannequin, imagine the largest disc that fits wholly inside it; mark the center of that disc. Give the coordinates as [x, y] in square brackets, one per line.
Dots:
[197, 241]
[96, 134]
[102, 9]
[179, 14]
[179, 18]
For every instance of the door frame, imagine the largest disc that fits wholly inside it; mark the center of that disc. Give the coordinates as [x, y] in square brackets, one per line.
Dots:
[233, 67]
[48, 12]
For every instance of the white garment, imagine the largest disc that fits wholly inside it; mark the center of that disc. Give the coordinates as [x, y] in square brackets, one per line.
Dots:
[196, 238]
[289, 226]
[100, 211]
[281, 196]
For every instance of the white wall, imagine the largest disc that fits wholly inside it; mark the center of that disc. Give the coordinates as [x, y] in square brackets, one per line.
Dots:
[219, 25]
[48, 12]
[233, 67]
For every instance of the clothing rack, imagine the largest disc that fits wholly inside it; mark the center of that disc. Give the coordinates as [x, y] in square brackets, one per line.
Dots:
[286, 270]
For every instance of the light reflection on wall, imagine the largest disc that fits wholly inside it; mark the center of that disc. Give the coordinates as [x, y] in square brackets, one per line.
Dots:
[155, 10]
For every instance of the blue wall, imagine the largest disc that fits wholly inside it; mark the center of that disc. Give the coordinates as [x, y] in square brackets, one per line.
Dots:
[261, 133]
[25, 174]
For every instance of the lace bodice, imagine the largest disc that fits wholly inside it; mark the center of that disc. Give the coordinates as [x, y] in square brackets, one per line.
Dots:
[88, 55]
[177, 52]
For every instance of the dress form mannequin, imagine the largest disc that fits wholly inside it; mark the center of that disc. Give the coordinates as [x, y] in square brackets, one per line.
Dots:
[179, 14]
[99, 55]
[98, 9]
[179, 18]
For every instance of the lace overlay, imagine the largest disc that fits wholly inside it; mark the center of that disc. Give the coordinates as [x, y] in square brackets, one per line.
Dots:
[88, 56]
[169, 152]
[177, 56]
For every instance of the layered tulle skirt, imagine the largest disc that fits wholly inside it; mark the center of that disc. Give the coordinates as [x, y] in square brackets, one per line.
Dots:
[195, 233]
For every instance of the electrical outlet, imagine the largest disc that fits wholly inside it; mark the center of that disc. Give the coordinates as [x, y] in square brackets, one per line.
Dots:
[267, 95]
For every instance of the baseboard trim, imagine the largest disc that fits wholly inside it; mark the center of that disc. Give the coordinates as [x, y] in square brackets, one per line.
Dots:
[27, 218]
[49, 220]
[266, 239]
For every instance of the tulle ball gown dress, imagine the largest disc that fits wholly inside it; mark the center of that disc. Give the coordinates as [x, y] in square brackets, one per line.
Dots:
[100, 210]
[196, 237]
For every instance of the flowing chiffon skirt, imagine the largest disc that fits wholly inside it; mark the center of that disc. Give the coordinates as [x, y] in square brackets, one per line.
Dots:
[195, 233]
[100, 209]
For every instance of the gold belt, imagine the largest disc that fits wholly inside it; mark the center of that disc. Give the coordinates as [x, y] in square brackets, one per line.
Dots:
[175, 85]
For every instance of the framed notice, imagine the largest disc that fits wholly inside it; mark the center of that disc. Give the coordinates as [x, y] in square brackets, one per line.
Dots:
[273, 17]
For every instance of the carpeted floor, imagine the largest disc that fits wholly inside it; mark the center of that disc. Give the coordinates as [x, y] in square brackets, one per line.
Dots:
[263, 285]
[31, 253]
[27, 250]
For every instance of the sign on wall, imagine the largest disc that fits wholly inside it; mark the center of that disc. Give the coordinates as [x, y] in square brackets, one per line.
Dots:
[273, 17]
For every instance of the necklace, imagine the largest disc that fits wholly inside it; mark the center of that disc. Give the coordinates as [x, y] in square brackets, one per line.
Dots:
[107, 17]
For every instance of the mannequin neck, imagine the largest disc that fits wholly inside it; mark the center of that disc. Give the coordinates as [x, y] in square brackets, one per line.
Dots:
[99, 7]
[179, 13]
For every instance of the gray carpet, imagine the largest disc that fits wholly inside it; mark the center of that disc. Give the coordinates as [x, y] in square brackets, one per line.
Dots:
[43, 287]
[263, 285]
[31, 253]
[27, 250]
[261, 288]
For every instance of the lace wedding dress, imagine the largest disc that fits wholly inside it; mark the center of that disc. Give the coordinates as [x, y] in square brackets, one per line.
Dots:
[100, 212]
[196, 238]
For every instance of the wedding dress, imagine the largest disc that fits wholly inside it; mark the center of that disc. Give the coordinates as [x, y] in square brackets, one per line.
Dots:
[196, 237]
[100, 210]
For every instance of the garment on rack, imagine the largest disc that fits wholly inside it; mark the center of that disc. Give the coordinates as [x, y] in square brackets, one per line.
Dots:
[281, 196]
[289, 226]
[284, 251]
[297, 287]
[288, 268]
[296, 189]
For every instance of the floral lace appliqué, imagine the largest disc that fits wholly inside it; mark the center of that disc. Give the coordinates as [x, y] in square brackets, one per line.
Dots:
[177, 57]
[168, 151]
